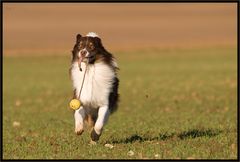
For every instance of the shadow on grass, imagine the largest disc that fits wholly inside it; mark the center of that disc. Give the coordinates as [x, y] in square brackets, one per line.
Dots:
[194, 133]
[190, 134]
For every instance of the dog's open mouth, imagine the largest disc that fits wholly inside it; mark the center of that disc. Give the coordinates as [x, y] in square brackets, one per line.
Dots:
[85, 57]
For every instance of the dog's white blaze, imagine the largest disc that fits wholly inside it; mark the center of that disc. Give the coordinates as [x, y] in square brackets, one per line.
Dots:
[92, 34]
[97, 83]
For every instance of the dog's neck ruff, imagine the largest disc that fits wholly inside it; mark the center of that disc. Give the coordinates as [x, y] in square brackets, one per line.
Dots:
[97, 83]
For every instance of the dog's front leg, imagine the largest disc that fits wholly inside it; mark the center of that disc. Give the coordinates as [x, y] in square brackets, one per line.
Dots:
[103, 114]
[79, 116]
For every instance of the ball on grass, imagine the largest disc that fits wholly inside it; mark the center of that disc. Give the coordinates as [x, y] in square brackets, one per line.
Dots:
[75, 104]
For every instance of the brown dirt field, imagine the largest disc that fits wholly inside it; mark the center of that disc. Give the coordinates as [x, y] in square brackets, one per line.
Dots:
[50, 28]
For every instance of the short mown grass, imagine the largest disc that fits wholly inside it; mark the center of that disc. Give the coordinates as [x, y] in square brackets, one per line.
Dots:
[175, 104]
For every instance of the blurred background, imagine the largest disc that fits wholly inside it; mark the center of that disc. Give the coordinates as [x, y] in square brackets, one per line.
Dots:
[50, 28]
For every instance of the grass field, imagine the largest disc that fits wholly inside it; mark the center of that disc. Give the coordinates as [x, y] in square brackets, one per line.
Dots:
[175, 104]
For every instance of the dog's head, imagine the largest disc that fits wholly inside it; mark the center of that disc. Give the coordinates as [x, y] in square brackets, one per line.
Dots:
[88, 48]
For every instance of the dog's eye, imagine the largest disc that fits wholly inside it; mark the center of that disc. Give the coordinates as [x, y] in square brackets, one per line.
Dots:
[91, 46]
[80, 45]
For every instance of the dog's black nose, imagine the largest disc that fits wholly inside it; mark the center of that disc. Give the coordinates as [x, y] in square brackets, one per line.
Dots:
[83, 52]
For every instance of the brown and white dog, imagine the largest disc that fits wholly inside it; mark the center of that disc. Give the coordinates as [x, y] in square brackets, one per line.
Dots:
[99, 95]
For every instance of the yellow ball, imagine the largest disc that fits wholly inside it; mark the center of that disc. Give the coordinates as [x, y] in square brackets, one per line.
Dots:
[75, 104]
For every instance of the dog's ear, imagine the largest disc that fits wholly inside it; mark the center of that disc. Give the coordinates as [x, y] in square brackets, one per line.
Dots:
[78, 38]
[98, 41]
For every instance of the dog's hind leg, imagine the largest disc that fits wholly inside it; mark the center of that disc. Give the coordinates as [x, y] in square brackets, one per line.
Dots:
[79, 116]
[103, 114]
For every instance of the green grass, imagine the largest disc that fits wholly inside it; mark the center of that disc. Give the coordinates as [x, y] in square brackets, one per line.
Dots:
[175, 104]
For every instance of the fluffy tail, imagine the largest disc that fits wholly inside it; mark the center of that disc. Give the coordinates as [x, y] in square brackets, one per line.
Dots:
[114, 96]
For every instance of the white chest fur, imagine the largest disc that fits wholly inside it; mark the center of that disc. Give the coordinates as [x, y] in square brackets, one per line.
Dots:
[97, 83]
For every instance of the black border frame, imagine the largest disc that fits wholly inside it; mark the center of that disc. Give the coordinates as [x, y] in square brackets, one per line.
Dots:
[120, 1]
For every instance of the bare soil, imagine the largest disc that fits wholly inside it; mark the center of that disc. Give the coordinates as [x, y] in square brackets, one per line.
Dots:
[50, 28]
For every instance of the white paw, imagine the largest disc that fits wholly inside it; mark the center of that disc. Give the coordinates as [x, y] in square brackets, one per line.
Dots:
[79, 130]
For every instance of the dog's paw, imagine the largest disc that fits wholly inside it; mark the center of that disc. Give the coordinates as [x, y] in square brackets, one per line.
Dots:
[94, 135]
[79, 132]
